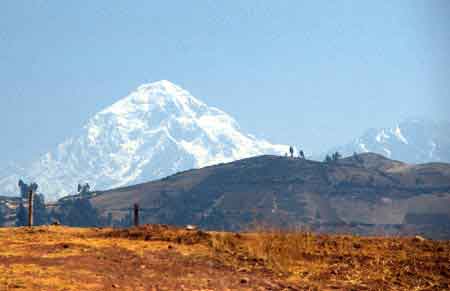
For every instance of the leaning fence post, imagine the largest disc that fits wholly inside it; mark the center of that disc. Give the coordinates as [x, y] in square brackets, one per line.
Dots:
[136, 214]
[30, 208]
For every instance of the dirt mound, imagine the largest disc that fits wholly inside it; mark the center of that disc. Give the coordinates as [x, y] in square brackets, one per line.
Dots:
[160, 232]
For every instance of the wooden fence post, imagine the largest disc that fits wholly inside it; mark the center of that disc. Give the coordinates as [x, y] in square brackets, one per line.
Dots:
[30, 208]
[136, 214]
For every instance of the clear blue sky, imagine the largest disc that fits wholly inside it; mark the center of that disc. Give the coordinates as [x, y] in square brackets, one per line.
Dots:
[313, 74]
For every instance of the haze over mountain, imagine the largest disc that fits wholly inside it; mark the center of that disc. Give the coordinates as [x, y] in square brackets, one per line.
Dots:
[412, 141]
[157, 130]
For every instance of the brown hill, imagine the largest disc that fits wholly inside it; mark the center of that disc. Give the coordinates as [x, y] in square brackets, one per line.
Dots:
[367, 193]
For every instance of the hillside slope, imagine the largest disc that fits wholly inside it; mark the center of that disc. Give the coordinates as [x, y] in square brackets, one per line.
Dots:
[363, 189]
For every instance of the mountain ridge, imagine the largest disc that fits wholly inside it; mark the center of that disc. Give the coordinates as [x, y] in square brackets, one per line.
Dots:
[160, 128]
[412, 140]
[155, 131]
[363, 190]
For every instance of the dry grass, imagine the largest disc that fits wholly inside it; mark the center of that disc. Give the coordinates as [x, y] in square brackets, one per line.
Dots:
[344, 261]
[167, 258]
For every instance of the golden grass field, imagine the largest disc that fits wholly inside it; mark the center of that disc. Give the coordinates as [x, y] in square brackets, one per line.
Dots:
[158, 257]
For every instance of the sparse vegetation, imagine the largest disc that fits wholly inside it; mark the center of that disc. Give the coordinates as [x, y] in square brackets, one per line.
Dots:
[336, 156]
[40, 215]
[83, 190]
[301, 155]
[21, 215]
[2, 219]
[164, 258]
[26, 188]
[345, 262]
[333, 158]
[77, 212]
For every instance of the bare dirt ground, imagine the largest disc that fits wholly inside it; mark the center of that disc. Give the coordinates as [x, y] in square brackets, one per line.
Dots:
[155, 257]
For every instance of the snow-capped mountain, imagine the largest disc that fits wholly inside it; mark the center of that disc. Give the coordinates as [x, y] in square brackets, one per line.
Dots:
[157, 130]
[413, 141]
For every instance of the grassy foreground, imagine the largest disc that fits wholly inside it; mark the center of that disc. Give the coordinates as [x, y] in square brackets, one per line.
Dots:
[158, 257]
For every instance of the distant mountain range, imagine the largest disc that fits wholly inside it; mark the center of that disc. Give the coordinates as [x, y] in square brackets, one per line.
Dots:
[160, 129]
[412, 141]
[157, 130]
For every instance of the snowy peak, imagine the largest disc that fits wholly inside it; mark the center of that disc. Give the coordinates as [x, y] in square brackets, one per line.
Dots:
[158, 95]
[398, 134]
[385, 135]
[155, 131]
[413, 141]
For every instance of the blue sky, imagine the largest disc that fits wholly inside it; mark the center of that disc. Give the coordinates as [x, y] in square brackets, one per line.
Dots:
[314, 74]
